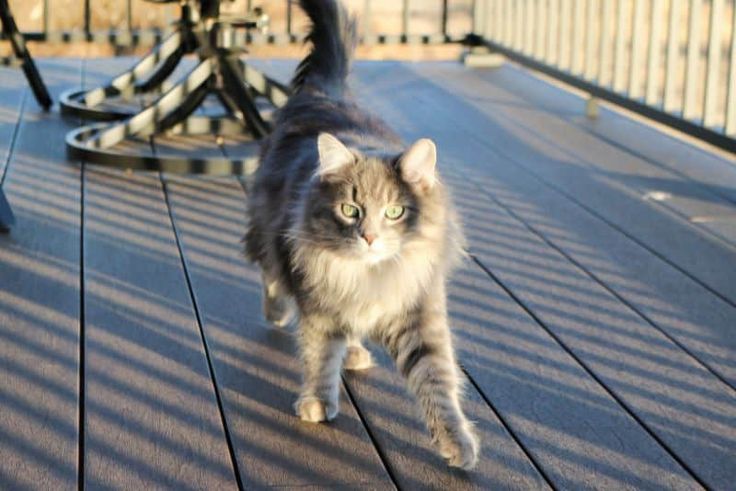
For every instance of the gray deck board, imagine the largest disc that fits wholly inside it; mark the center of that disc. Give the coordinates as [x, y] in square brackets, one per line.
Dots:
[530, 267]
[714, 172]
[40, 301]
[688, 408]
[681, 307]
[536, 105]
[149, 399]
[255, 366]
[596, 352]
[596, 182]
[151, 418]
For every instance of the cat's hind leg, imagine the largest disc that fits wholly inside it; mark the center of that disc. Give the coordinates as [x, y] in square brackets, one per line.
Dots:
[278, 306]
[423, 354]
[357, 357]
[322, 352]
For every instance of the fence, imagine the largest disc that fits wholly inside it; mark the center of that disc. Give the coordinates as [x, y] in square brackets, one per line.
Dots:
[137, 22]
[671, 60]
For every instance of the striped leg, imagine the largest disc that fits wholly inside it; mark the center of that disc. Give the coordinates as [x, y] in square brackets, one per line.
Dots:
[322, 353]
[424, 355]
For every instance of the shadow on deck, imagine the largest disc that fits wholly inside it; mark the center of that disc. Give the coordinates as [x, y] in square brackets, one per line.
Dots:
[594, 320]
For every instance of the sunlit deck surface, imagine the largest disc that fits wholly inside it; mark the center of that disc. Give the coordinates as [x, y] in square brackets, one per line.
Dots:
[595, 320]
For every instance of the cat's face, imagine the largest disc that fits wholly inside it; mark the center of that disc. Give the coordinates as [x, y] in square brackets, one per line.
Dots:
[367, 208]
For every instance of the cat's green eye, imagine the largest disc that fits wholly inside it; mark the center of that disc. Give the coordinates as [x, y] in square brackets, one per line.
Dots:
[394, 212]
[349, 211]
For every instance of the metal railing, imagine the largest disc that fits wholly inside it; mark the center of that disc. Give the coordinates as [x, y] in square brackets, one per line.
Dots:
[381, 21]
[671, 60]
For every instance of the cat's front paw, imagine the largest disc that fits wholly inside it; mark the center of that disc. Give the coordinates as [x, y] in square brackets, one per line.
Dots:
[357, 358]
[460, 447]
[314, 410]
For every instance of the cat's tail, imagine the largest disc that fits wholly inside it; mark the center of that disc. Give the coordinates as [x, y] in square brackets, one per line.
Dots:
[333, 37]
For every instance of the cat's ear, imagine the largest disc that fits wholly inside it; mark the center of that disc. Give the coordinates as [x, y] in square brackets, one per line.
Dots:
[333, 155]
[417, 164]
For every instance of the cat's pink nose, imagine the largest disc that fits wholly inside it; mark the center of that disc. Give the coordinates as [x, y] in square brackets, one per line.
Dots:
[369, 238]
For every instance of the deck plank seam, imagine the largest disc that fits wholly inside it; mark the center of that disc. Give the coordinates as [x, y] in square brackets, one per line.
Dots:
[14, 136]
[621, 112]
[198, 317]
[619, 297]
[677, 215]
[628, 235]
[705, 188]
[612, 225]
[82, 364]
[628, 410]
[82, 304]
[545, 182]
[528, 453]
[381, 455]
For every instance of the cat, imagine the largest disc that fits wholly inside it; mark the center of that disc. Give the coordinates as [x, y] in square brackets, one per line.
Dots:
[356, 234]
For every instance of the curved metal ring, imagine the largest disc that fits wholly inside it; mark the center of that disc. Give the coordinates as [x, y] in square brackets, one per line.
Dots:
[161, 61]
[83, 144]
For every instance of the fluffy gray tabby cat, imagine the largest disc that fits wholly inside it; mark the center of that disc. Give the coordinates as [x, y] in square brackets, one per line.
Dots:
[356, 233]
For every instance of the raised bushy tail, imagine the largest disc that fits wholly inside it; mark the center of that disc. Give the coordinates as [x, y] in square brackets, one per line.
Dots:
[333, 37]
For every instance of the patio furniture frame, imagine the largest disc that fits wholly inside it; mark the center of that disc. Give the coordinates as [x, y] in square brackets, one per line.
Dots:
[220, 71]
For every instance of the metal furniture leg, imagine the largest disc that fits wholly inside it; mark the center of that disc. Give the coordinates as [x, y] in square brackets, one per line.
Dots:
[171, 114]
[10, 29]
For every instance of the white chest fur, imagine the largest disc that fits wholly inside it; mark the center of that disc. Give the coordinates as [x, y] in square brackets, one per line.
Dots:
[363, 295]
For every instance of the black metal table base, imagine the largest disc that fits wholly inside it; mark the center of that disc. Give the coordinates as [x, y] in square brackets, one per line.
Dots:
[10, 29]
[221, 72]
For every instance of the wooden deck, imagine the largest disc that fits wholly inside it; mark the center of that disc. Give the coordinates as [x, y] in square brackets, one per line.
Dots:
[595, 323]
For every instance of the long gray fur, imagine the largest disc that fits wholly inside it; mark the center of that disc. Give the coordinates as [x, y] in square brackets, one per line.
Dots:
[363, 276]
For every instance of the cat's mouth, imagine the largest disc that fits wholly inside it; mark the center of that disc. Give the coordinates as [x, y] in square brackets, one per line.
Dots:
[376, 253]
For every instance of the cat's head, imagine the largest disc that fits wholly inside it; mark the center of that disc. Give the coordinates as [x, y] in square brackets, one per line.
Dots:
[369, 208]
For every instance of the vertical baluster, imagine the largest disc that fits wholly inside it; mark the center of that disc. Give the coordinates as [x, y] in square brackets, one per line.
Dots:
[731, 97]
[689, 106]
[564, 62]
[508, 22]
[518, 25]
[673, 55]
[46, 18]
[367, 22]
[405, 20]
[541, 30]
[553, 47]
[443, 24]
[589, 67]
[480, 26]
[289, 14]
[618, 62]
[529, 25]
[501, 19]
[604, 62]
[712, 72]
[129, 16]
[87, 19]
[655, 38]
[577, 37]
[636, 50]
